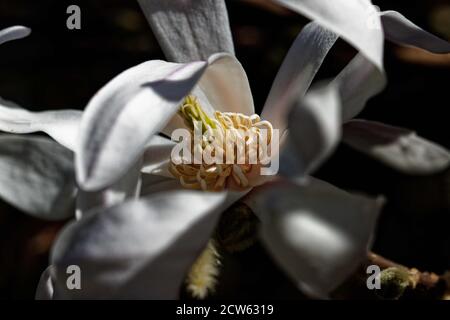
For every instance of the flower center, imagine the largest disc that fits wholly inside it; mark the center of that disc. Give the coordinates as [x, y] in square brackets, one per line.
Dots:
[232, 146]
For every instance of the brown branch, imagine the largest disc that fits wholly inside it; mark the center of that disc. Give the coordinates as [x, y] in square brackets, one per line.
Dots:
[427, 279]
[382, 262]
[420, 285]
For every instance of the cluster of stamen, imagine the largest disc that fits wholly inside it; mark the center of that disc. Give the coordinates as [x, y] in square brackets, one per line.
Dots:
[214, 176]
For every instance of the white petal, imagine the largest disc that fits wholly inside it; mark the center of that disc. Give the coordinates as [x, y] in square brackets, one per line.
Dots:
[176, 122]
[315, 130]
[60, 125]
[141, 249]
[45, 288]
[298, 70]
[357, 22]
[121, 117]
[358, 82]
[128, 187]
[396, 147]
[318, 234]
[13, 33]
[37, 176]
[223, 87]
[189, 30]
[361, 80]
[399, 29]
[157, 156]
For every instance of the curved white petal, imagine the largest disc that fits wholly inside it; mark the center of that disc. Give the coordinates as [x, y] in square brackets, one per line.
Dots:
[141, 101]
[356, 21]
[60, 125]
[361, 80]
[157, 156]
[128, 187]
[140, 249]
[400, 30]
[318, 234]
[37, 176]
[14, 33]
[396, 147]
[177, 122]
[298, 70]
[189, 30]
[45, 288]
[122, 116]
[358, 82]
[223, 87]
[315, 130]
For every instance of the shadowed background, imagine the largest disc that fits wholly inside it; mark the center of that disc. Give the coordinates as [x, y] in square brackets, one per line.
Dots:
[56, 68]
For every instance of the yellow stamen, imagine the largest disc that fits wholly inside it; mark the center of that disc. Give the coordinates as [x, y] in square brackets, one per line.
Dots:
[243, 131]
[201, 280]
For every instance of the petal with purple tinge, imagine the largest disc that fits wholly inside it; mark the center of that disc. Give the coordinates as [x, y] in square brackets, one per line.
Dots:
[128, 187]
[399, 29]
[358, 82]
[314, 132]
[318, 234]
[60, 125]
[398, 148]
[157, 156]
[137, 250]
[357, 22]
[123, 115]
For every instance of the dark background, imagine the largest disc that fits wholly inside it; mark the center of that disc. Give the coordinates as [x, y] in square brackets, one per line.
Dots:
[56, 68]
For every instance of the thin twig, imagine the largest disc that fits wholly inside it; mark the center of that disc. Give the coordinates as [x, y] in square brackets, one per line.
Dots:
[425, 281]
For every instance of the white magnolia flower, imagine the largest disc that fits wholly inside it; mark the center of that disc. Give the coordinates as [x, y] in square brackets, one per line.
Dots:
[142, 248]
